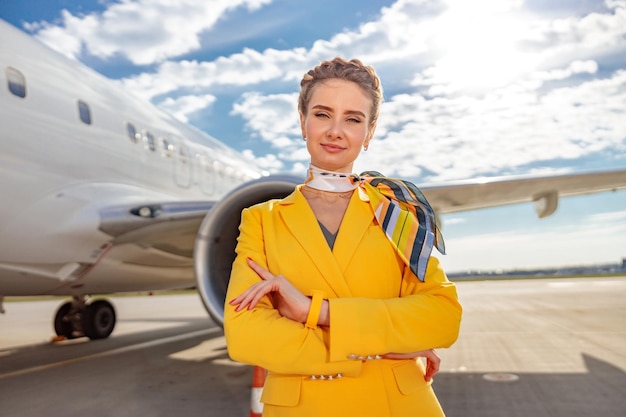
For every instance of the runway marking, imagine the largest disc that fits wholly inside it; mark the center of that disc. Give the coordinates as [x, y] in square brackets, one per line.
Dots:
[209, 350]
[113, 352]
[500, 377]
[595, 283]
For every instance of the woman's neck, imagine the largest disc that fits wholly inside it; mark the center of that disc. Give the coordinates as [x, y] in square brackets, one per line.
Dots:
[328, 207]
[330, 181]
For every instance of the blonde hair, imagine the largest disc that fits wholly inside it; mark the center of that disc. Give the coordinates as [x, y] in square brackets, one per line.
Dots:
[353, 70]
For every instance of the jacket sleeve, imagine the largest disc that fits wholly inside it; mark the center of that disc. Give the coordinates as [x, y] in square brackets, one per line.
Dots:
[427, 315]
[260, 336]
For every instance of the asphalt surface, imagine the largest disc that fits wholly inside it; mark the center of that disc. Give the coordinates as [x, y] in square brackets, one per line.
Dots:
[544, 347]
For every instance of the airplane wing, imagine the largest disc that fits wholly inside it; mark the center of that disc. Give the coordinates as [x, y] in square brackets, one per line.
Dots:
[169, 227]
[545, 191]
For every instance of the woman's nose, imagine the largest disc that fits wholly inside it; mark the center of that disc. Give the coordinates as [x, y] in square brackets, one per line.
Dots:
[335, 129]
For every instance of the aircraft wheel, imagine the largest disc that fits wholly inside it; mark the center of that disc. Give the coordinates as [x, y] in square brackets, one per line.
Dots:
[62, 321]
[98, 320]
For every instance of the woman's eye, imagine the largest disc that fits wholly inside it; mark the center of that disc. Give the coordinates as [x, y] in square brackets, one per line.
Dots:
[321, 115]
[354, 120]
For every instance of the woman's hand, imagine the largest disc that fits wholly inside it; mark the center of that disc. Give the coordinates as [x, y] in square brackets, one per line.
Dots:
[432, 360]
[286, 298]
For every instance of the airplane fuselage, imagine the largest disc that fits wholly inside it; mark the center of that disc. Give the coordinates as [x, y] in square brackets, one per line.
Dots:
[74, 143]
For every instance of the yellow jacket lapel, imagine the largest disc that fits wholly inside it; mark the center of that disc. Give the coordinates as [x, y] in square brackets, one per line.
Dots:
[357, 220]
[301, 222]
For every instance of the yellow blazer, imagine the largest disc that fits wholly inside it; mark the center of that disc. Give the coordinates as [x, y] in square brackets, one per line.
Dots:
[376, 306]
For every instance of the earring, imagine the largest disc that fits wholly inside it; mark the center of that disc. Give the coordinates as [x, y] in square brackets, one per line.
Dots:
[365, 148]
[304, 138]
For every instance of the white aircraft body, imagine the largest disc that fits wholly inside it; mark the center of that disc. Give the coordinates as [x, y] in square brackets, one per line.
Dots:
[103, 193]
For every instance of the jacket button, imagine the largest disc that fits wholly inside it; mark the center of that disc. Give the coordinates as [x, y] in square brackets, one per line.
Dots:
[352, 356]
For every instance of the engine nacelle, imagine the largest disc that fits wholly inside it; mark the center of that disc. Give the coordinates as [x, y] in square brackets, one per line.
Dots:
[214, 250]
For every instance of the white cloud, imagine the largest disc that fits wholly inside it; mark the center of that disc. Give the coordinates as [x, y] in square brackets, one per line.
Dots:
[183, 106]
[268, 162]
[273, 118]
[246, 68]
[610, 219]
[59, 38]
[143, 31]
[594, 239]
[576, 67]
[463, 137]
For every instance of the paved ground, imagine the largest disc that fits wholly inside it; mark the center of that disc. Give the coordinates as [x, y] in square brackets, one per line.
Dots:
[555, 347]
[536, 348]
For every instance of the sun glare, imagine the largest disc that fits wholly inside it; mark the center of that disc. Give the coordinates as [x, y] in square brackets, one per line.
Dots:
[478, 42]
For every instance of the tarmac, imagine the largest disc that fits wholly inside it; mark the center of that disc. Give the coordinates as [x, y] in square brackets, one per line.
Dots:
[533, 347]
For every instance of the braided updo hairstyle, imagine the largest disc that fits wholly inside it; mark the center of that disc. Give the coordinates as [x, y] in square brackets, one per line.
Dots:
[354, 70]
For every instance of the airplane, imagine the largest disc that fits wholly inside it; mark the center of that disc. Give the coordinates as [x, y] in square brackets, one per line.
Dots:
[104, 193]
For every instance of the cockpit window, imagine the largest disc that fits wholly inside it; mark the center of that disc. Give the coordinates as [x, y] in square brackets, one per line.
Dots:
[84, 112]
[16, 82]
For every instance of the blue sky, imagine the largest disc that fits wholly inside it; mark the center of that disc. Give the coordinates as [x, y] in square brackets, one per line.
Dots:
[472, 89]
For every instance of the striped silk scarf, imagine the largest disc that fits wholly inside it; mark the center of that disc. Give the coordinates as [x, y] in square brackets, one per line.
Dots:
[406, 218]
[400, 208]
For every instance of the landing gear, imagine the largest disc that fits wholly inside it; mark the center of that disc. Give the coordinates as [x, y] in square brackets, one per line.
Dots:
[98, 320]
[95, 320]
[63, 322]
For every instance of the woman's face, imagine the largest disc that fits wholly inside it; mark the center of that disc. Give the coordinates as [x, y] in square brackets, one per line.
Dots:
[337, 124]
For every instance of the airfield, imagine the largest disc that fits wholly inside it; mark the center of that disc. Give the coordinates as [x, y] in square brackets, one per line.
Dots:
[532, 347]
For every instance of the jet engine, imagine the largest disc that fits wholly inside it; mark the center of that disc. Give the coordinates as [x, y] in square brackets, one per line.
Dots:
[214, 250]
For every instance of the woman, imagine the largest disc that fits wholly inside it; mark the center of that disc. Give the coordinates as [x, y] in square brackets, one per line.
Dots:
[319, 295]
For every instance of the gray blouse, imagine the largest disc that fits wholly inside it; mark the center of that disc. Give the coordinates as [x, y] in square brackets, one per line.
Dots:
[330, 237]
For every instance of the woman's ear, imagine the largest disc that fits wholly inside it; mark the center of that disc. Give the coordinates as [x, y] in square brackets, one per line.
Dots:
[370, 135]
[302, 124]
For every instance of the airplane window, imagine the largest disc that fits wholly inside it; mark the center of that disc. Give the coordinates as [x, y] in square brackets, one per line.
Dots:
[16, 82]
[168, 148]
[149, 140]
[132, 132]
[84, 112]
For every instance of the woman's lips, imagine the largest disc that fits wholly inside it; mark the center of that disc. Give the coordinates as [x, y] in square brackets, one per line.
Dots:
[332, 148]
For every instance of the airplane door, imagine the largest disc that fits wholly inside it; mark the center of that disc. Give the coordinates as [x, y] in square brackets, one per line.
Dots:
[182, 164]
[207, 173]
